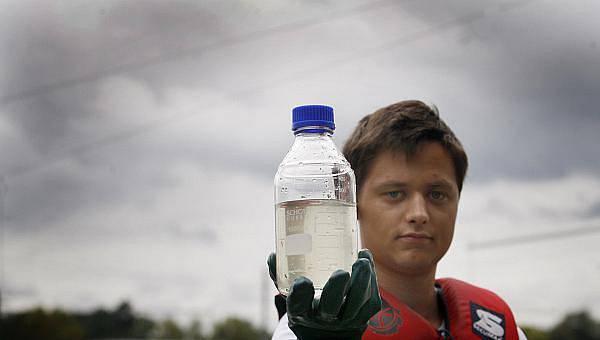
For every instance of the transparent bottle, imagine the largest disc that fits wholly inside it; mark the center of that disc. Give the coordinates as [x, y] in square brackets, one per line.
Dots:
[315, 203]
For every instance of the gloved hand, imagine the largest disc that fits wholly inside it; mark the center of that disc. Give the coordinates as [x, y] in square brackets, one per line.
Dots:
[280, 300]
[344, 308]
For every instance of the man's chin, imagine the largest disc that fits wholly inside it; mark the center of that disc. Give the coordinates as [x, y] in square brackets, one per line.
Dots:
[414, 266]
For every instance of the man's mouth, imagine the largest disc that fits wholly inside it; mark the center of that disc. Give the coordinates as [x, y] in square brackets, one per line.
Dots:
[414, 237]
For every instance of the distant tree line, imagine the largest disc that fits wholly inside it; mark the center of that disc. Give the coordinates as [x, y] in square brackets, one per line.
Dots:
[120, 323]
[574, 326]
[123, 323]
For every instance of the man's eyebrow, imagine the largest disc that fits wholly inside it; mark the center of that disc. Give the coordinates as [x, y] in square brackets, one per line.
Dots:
[387, 184]
[441, 183]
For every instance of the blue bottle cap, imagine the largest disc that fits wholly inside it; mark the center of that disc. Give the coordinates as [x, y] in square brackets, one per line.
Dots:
[313, 115]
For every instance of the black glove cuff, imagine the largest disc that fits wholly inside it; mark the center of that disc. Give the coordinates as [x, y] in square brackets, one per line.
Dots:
[280, 305]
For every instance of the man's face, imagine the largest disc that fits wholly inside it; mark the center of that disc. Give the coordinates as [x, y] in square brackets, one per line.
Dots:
[407, 209]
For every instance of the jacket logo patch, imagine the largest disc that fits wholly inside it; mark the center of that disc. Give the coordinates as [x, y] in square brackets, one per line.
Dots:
[486, 323]
[387, 321]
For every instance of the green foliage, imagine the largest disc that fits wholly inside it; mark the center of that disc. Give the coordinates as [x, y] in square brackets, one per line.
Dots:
[142, 328]
[122, 322]
[576, 326]
[534, 333]
[119, 323]
[168, 329]
[194, 332]
[39, 324]
[237, 329]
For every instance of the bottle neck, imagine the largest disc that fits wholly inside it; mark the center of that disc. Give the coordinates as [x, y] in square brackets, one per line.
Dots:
[314, 131]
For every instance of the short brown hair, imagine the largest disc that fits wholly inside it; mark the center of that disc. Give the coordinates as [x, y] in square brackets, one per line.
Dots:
[401, 127]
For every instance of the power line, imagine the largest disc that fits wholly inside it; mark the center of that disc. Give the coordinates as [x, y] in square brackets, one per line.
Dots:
[161, 123]
[517, 240]
[174, 54]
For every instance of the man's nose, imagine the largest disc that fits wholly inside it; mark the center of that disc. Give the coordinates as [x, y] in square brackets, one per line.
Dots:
[417, 210]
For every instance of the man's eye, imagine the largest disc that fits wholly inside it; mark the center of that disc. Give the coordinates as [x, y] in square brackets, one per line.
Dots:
[393, 194]
[437, 195]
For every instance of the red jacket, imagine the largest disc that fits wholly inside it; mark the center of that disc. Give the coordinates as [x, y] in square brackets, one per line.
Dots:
[471, 313]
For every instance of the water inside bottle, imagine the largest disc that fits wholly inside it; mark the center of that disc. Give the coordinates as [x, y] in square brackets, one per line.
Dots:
[315, 238]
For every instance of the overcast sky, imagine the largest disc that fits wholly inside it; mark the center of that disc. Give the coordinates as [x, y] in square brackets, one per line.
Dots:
[139, 140]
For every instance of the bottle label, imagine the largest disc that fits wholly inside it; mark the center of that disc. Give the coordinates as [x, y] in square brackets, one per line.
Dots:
[298, 244]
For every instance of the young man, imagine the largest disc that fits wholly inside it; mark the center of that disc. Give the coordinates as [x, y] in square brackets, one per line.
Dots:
[409, 170]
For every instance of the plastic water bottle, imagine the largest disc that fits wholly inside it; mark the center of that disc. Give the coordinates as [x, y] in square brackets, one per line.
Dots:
[315, 203]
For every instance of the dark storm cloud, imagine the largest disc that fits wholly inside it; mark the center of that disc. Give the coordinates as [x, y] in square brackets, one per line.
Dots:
[58, 193]
[55, 63]
[19, 292]
[85, 43]
[541, 87]
[538, 67]
[593, 211]
[52, 50]
[104, 179]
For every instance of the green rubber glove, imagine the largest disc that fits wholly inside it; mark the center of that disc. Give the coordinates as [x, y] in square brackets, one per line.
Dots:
[344, 308]
[280, 302]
